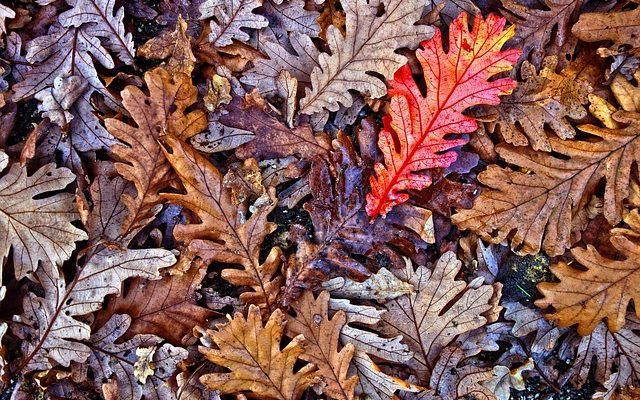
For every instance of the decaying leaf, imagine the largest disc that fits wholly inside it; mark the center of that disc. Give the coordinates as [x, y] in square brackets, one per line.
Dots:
[158, 114]
[119, 362]
[218, 92]
[57, 101]
[544, 99]
[415, 130]
[530, 320]
[622, 27]
[322, 336]
[252, 353]
[222, 235]
[604, 290]
[98, 20]
[230, 17]
[273, 139]
[342, 232]
[290, 16]
[537, 27]
[65, 52]
[550, 214]
[21, 217]
[614, 356]
[369, 46]
[381, 286]
[377, 384]
[504, 380]
[220, 137]
[55, 336]
[174, 45]
[264, 72]
[430, 319]
[166, 307]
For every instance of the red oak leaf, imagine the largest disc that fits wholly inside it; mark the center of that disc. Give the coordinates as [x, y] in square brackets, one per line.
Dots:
[413, 138]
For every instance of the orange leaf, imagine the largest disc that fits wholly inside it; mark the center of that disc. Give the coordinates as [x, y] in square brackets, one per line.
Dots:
[413, 137]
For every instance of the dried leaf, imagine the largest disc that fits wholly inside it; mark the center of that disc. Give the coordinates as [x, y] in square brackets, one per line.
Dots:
[458, 374]
[252, 352]
[440, 310]
[332, 14]
[118, 361]
[342, 231]
[220, 137]
[368, 341]
[273, 139]
[381, 286]
[321, 345]
[415, 130]
[143, 367]
[287, 87]
[218, 92]
[165, 307]
[505, 380]
[544, 99]
[264, 72]
[368, 46]
[175, 45]
[375, 383]
[230, 17]
[622, 27]
[160, 113]
[551, 213]
[530, 320]
[245, 181]
[62, 53]
[536, 28]
[604, 290]
[98, 20]
[222, 235]
[21, 216]
[614, 356]
[109, 210]
[55, 336]
[290, 16]
[56, 101]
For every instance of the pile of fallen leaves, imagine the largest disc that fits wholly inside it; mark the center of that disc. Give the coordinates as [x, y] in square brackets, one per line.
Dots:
[331, 199]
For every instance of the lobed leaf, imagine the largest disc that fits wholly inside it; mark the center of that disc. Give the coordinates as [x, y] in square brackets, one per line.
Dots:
[414, 135]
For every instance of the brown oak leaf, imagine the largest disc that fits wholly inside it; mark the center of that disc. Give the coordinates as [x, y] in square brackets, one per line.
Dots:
[222, 235]
[551, 213]
[369, 46]
[22, 215]
[165, 307]
[622, 27]
[544, 99]
[603, 290]
[174, 45]
[252, 353]
[322, 336]
[273, 139]
[160, 113]
[536, 28]
[441, 310]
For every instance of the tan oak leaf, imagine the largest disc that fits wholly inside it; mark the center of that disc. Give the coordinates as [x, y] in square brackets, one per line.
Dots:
[369, 46]
[22, 215]
[257, 364]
